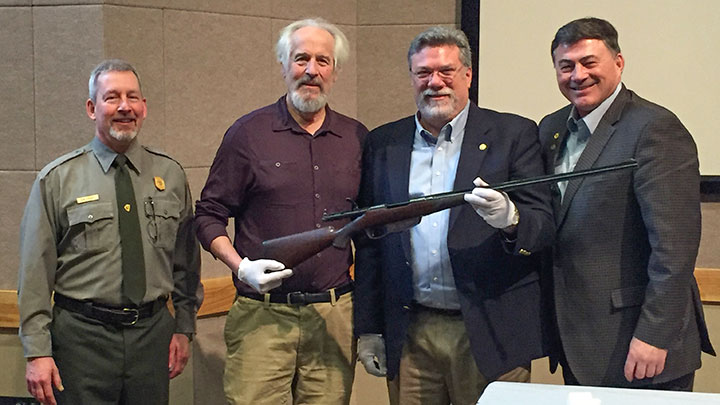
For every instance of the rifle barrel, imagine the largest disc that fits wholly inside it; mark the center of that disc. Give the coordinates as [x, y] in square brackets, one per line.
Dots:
[505, 186]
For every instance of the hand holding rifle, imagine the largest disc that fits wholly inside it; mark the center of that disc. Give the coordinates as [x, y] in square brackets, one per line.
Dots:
[378, 220]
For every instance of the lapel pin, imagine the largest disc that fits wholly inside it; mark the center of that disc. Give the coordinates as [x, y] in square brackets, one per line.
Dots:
[127, 207]
[482, 146]
[556, 136]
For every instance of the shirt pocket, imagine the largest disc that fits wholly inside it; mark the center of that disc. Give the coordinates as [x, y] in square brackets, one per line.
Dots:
[91, 227]
[163, 216]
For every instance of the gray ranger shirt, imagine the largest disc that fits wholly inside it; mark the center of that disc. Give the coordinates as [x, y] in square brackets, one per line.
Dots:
[70, 241]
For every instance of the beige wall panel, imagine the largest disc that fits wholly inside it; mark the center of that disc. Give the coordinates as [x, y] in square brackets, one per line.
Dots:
[709, 255]
[706, 379]
[379, 12]
[344, 95]
[15, 3]
[214, 67]
[16, 89]
[135, 34]
[68, 44]
[15, 188]
[209, 361]
[384, 90]
[12, 382]
[66, 2]
[237, 7]
[210, 267]
[337, 12]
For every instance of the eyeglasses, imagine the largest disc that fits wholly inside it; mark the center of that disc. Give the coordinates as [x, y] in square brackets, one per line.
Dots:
[152, 227]
[446, 74]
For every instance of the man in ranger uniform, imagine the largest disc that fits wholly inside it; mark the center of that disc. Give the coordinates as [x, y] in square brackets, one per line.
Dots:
[108, 229]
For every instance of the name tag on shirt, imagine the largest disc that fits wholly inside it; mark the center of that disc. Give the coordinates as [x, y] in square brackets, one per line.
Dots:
[87, 198]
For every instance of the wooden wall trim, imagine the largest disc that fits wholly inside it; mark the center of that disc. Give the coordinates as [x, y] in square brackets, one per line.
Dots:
[709, 284]
[220, 293]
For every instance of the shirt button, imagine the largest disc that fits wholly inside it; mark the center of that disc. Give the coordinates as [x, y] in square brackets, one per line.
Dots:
[434, 224]
[90, 217]
[277, 164]
[437, 173]
[317, 195]
[316, 167]
[439, 148]
[434, 252]
[435, 279]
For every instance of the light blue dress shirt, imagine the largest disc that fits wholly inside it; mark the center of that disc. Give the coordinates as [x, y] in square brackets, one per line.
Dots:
[433, 166]
[580, 130]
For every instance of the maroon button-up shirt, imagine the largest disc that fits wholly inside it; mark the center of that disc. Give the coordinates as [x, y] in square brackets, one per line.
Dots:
[275, 179]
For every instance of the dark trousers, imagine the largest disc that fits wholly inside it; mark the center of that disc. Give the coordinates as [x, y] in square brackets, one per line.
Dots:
[111, 365]
[684, 383]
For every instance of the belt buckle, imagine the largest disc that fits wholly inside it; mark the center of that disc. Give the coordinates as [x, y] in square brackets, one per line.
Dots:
[300, 298]
[133, 311]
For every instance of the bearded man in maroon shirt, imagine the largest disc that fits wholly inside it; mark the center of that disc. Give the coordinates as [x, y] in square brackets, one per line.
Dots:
[277, 170]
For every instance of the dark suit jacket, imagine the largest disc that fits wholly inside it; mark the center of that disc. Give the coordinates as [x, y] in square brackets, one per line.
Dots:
[626, 244]
[497, 282]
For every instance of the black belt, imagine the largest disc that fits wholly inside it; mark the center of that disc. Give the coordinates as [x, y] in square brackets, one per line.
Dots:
[439, 311]
[118, 316]
[301, 298]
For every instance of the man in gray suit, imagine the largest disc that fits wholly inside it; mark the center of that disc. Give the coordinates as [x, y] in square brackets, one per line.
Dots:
[627, 310]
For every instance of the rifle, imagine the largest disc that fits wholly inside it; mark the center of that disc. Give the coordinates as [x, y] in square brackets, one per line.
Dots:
[379, 220]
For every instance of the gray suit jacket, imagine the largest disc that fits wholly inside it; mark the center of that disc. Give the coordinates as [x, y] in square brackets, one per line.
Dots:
[626, 244]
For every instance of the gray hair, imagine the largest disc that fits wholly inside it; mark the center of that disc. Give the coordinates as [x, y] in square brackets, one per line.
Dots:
[342, 47]
[109, 65]
[438, 36]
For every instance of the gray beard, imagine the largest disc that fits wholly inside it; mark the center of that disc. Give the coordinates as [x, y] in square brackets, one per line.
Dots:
[435, 112]
[123, 137]
[308, 106]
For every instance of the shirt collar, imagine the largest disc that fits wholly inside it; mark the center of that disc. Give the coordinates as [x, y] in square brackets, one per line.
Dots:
[106, 156]
[593, 118]
[452, 129]
[283, 121]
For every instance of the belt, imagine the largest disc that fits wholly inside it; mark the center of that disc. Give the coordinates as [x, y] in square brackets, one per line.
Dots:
[301, 298]
[118, 316]
[438, 311]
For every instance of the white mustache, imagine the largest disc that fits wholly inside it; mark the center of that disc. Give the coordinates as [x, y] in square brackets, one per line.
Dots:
[430, 92]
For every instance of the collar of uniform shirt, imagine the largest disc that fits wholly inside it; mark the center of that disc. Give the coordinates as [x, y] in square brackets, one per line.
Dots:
[593, 118]
[456, 125]
[105, 156]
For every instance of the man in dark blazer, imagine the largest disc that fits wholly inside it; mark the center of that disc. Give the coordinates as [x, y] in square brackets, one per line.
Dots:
[627, 307]
[453, 301]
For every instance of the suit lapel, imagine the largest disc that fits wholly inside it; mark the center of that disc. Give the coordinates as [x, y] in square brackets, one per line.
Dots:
[399, 153]
[471, 155]
[594, 148]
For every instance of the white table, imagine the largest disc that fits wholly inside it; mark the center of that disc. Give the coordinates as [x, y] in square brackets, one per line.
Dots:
[509, 393]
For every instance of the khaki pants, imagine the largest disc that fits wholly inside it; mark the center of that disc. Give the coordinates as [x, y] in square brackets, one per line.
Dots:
[437, 367]
[289, 354]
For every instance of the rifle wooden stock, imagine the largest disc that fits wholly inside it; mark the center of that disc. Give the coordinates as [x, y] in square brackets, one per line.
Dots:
[379, 220]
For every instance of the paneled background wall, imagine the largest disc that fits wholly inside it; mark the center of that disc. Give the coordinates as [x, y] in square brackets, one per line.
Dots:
[203, 64]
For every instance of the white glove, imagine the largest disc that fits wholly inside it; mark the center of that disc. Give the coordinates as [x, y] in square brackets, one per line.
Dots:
[262, 274]
[371, 353]
[493, 206]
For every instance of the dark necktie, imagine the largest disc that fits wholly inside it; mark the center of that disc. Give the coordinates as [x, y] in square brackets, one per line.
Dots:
[133, 263]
